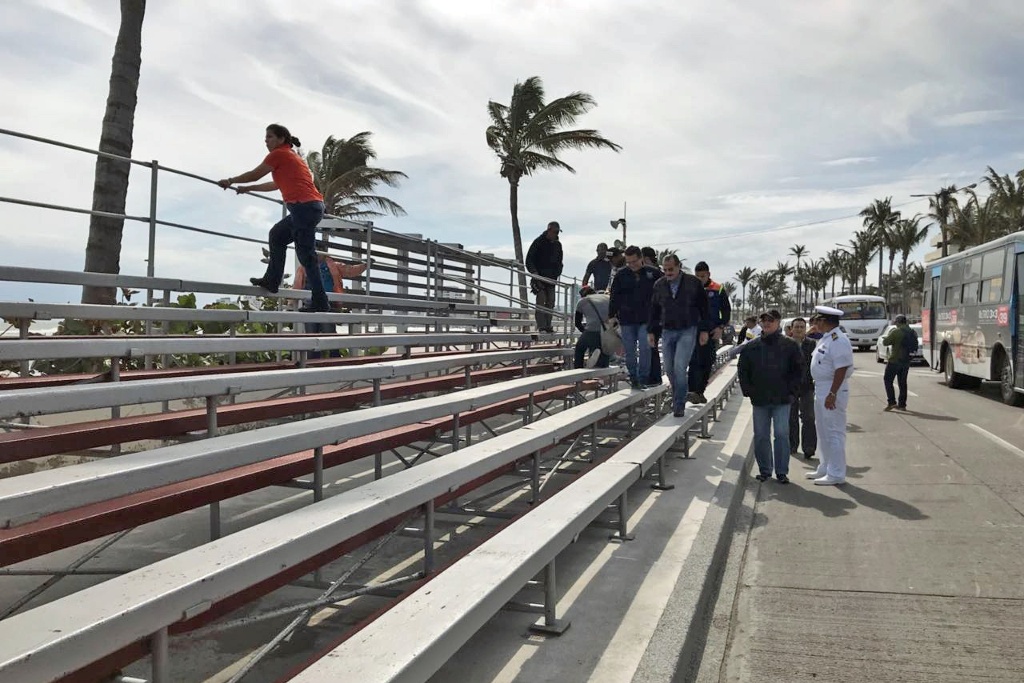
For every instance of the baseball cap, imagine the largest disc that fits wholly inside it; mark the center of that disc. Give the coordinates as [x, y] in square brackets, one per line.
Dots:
[702, 266]
[772, 314]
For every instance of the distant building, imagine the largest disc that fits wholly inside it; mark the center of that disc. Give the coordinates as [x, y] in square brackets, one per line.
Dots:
[936, 254]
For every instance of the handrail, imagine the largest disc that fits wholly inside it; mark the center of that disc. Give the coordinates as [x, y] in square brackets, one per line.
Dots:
[511, 265]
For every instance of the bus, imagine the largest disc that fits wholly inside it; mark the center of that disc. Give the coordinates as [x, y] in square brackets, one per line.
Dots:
[864, 317]
[972, 318]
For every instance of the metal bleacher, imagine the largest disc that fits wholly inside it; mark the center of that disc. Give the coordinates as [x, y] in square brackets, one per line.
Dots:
[457, 403]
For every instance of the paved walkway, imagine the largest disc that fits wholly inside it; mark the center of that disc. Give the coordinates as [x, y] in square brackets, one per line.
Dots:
[912, 571]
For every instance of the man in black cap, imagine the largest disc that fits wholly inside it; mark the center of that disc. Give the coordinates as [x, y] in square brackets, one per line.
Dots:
[545, 259]
[770, 373]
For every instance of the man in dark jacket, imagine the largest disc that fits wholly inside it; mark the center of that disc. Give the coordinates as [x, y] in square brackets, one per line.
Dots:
[801, 413]
[719, 312]
[545, 259]
[770, 373]
[630, 305]
[679, 311]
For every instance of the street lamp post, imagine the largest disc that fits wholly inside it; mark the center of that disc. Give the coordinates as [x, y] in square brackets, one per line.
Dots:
[942, 200]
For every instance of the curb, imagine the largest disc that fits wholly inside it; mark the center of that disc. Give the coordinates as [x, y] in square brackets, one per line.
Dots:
[676, 647]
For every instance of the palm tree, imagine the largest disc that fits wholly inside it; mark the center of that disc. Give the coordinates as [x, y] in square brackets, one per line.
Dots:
[1008, 196]
[743, 276]
[528, 134]
[110, 185]
[784, 270]
[907, 235]
[341, 174]
[941, 210]
[879, 218]
[799, 251]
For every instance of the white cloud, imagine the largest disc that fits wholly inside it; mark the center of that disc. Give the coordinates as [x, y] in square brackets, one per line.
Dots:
[734, 117]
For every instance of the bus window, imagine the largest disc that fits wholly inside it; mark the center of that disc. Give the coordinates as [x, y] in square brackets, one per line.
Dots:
[972, 268]
[951, 297]
[952, 273]
[991, 290]
[1008, 277]
[970, 295]
[992, 264]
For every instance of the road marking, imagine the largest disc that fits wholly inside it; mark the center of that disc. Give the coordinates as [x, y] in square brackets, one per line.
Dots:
[995, 439]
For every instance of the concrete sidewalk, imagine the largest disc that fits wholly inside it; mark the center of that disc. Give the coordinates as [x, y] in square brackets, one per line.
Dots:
[912, 571]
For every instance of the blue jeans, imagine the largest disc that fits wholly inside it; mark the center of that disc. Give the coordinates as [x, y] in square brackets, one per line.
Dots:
[676, 349]
[765, 418]
[898, 372]
[299, 226]
[634, 338]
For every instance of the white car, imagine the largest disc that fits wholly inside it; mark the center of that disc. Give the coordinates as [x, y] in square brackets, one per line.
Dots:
[882, 351]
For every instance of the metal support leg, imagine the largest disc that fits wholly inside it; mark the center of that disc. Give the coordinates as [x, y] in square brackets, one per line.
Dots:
[24, 368]
[318, 474]
[211, 431]
[661, 485]
[623, 508]
[550, 624]
[469, 377]
[158, 653]
[455, 432]
[428, 538]
[535, 478]
[528, 415]
[115, 411]
[705, 433]
[378, 464]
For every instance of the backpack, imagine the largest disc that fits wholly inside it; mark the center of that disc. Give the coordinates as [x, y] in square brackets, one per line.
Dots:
[908, 343]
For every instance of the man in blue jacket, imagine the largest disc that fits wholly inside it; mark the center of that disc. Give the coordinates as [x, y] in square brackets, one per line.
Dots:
[679, 310]
[630, 305]
[719, 312]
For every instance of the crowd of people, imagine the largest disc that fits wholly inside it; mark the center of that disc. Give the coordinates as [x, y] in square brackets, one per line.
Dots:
[664, 317]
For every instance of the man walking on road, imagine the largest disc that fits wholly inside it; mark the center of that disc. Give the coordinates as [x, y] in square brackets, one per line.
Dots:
[719, 312]
[770, 372]
[831, 368]
[678, 311]
[801, 413]
[545, 259]
[902, 342]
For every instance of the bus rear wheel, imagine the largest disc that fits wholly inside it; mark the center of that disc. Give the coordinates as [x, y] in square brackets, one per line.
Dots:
[956, 380]
[1006, 389]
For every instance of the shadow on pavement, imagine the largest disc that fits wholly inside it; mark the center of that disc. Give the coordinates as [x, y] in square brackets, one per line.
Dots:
[929, 416]
[855, 472]
[850, 427]
[883, 503]
[798, 496]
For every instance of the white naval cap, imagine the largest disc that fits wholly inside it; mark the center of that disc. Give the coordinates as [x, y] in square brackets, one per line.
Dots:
[828, 310]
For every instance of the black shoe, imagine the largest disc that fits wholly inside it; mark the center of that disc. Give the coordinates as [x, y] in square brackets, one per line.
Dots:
[783, 479]
[691, 397]
[679, 412]
[763, 477]
[701, 398]
[315, 309]
[808, 456]
[902, 409]
[792, 454]
[261, 282]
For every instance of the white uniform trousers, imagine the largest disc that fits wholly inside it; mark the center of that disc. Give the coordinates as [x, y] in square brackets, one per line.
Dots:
[831, 426]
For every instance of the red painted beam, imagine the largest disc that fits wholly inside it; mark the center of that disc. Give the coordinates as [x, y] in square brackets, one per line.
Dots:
[59, 439]
[69, 528]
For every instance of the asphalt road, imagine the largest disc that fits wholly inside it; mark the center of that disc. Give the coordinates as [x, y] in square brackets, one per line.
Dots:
[912, 571]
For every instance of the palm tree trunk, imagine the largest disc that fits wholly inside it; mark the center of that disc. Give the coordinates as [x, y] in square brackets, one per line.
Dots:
[904, 302]
[888, 283]
[110, 186]
[517, 236]
[881, 256]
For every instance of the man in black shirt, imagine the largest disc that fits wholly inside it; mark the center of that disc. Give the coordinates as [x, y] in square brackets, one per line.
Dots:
[600, 269]
[801, 413]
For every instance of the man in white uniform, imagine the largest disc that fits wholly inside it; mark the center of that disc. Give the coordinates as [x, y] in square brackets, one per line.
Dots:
[831, 368]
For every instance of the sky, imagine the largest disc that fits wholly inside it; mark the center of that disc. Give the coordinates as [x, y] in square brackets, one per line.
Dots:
[739, 121]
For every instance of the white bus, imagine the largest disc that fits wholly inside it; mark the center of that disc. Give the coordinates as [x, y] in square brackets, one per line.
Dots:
[864, 317]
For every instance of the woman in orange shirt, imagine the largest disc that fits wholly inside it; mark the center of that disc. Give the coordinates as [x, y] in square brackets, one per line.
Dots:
[305, 205]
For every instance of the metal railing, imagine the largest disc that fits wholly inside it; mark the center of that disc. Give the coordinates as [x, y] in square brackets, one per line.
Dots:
[364, 236]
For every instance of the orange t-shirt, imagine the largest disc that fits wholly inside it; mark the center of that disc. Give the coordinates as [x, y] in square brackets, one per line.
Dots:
[292, 176]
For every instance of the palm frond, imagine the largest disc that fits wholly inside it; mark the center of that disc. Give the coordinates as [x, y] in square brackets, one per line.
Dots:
[575, 139]
[533, 161]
